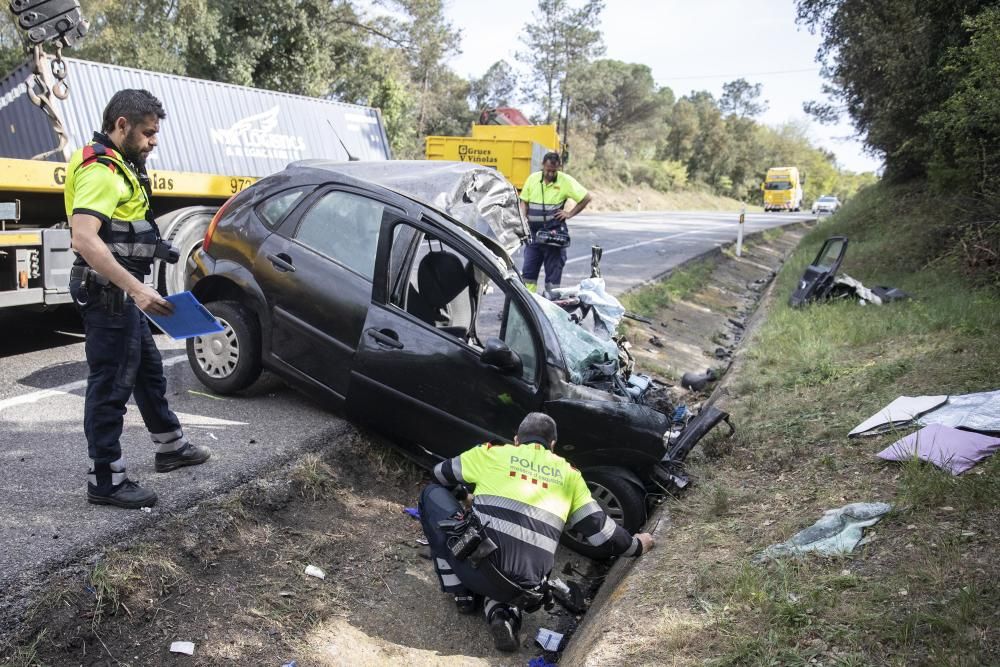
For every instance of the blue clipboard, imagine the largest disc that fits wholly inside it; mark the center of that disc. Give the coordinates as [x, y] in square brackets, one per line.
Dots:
[188, 320]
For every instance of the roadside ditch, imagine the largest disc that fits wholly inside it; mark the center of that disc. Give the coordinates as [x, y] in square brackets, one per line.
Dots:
[229, 574]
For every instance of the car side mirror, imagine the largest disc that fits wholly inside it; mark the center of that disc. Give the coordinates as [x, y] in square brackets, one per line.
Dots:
[497, 354]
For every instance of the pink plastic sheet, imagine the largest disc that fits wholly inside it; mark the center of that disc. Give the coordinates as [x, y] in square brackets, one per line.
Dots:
[948, 448]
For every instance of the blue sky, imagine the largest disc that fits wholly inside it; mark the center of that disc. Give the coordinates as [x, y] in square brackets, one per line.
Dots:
[688, 45]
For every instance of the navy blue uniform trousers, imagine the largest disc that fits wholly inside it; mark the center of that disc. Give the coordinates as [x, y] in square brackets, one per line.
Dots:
[123, 362]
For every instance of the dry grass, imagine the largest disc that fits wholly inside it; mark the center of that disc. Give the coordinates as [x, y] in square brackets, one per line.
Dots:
[924, 589]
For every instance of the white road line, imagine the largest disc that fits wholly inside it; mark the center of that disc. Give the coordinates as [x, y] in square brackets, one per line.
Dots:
[611, 251]
[36, 396]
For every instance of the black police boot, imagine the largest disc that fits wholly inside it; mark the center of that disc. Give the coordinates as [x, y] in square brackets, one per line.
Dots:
[188, 455]
[128, 494]
[467, 603]
[504, 627]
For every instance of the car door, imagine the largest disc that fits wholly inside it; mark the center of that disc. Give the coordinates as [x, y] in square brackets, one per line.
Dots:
[418, 373]
[316, 273]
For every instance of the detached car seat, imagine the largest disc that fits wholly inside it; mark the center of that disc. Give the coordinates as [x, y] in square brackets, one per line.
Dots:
[444, 293]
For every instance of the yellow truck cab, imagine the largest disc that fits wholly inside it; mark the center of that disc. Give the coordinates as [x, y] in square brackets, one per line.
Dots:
[783, 189]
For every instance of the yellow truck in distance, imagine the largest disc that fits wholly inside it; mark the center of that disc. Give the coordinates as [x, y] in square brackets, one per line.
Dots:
[783, 189]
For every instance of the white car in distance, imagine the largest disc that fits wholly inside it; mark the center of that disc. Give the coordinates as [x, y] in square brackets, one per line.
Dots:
[826, 204]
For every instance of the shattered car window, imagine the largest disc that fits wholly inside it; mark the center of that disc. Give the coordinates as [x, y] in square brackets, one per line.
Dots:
[581, 349]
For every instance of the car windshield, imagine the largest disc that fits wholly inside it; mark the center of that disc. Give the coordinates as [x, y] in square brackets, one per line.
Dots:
[778, 185]
[827, 199]
[581, 349]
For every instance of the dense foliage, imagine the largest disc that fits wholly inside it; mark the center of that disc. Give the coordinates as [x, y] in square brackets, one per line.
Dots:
[921, 81]
[617, 123]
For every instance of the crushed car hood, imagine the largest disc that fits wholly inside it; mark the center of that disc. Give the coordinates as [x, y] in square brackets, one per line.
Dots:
[478, 196]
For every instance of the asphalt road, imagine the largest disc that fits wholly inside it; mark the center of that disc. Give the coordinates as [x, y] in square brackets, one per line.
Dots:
[44, 518]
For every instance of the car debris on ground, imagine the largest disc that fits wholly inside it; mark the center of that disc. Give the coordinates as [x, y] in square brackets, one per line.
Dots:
[902, 411]
[948, 448]
[820, 280]
[837, 533]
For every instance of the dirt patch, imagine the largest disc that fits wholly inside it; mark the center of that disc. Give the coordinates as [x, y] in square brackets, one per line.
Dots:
[229, 576]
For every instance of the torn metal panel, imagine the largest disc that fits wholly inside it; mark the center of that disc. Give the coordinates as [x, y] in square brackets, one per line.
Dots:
[972, 412]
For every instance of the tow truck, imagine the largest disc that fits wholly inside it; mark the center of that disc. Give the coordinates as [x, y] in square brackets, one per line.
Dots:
[217, 139]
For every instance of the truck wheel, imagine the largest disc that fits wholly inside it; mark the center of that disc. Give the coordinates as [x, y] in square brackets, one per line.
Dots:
[620, 499]
[187, 235]
[229, 361]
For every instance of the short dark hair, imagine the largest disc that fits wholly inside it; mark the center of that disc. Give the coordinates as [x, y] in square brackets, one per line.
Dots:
[133, 105]
[536, 427]
[552, 156]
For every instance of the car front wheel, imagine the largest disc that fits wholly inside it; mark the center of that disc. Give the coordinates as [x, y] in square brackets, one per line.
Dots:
[229, 361]
[620, 499]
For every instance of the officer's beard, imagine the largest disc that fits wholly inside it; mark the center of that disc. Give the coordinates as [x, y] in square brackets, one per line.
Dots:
[132, 151]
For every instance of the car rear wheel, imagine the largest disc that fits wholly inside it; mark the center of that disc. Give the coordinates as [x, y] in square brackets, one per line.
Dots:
[620, 499]
[229, 361]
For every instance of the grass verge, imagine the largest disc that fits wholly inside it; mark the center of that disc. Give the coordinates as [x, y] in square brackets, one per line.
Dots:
[924, 589]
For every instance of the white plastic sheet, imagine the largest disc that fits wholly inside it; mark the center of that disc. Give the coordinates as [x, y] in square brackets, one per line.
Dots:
[900, 412]
[837, 533]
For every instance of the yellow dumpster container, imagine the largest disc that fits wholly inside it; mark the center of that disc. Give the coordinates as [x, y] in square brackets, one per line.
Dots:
[514, 158]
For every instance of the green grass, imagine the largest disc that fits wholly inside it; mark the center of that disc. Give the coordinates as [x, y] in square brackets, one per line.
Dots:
[677, 287]
[924, 591]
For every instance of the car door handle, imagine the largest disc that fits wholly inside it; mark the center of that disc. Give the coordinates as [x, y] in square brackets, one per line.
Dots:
[386, 337]
[282, 262]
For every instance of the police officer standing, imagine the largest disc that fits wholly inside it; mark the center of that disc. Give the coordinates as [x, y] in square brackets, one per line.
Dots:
[543, 204]
[503, 547]
[107, 199]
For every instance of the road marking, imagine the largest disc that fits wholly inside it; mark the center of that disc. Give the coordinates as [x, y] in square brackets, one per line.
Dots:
[611, 251]
[67, 388]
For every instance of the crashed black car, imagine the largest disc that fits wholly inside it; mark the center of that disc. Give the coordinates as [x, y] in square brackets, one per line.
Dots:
[387, 291]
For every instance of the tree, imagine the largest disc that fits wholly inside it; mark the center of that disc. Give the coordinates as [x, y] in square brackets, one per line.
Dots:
[560, 40]
[617, 99]
[496, 88]
[741, 98]
[883, 60]
[427, 39]
[170, 32]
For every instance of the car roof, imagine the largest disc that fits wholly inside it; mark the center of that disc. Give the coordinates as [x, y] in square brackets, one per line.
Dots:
[473, 194]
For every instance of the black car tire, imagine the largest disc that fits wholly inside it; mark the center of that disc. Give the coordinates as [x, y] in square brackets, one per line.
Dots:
[620, 498]
[229, 361]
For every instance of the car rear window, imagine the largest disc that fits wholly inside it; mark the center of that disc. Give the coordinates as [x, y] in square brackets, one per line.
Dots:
[274, 210]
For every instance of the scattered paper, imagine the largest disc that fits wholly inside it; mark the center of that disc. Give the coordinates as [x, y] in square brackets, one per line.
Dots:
[314, 571]
[548, 639]
[182, 647]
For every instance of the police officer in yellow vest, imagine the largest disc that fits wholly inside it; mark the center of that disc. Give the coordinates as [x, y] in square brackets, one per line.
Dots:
[107, 200]
[502, 547]
[543, 205]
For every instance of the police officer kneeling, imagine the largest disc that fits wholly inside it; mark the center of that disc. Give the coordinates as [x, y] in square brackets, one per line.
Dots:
[503, 546]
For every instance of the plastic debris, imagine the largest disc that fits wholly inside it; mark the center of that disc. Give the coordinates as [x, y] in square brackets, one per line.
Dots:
[900, 412]
[186, 648]
[948, 448]
[972, 412]
[540, 661]
[835, 534]
[412, 511]
[421, 541]
[290, 663]
[314, 571]
[548, 639]
[147, 510]
[698, 381]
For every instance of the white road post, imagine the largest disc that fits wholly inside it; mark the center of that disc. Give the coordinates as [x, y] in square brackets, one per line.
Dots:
[739, 234]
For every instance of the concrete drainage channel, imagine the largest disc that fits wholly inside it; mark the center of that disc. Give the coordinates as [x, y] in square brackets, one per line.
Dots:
[229, 575]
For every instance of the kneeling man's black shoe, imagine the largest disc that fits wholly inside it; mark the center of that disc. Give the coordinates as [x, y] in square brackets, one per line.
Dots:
[128, 495]
[503, 627]
[188, 455]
